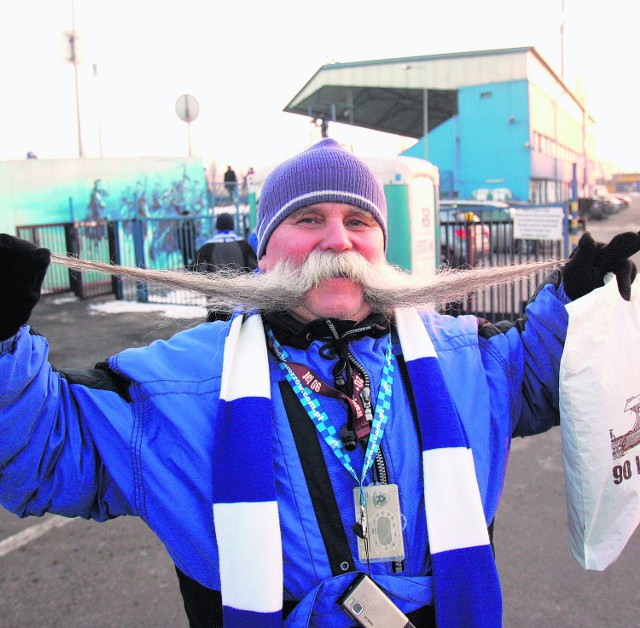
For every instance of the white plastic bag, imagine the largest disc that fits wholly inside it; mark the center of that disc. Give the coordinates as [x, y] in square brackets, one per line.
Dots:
[600, 423]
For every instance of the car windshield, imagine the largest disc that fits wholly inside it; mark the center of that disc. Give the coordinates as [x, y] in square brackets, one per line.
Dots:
[482, 212]
[490, 213]
[456, 215]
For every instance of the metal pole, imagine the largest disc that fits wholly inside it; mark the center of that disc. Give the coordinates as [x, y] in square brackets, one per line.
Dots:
[562, 43]
[95, 76]
[425, 123]
[188, 117]
[74, 60]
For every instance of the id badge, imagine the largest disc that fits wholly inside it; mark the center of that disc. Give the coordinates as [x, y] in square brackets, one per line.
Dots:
[384, 523]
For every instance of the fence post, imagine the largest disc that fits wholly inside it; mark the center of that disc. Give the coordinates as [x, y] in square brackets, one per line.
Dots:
[115, 257]
[471, 239]
[73, 248]
[138, 246]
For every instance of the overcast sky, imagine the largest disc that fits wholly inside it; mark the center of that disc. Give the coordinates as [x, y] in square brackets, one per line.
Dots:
[244, 61]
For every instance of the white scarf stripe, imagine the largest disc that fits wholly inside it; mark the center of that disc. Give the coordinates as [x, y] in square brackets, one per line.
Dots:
[453, 522]
[248, 374]
[246, 571]
[415, 342]
[229, 356]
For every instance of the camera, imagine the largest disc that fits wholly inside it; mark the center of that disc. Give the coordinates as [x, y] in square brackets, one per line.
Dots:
[366, 602]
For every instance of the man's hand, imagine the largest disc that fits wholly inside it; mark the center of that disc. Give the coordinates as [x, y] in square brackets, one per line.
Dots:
[22, 269]
[592, 260]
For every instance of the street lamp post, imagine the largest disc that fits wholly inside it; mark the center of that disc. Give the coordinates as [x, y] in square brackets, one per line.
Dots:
[425, 123]
[187, 108]
[74, 60]
[425, 110]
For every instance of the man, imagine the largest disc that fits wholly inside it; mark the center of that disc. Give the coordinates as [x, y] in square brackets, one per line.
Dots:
[230, 182]
[331, 436]
[225, 250]
[187, 237]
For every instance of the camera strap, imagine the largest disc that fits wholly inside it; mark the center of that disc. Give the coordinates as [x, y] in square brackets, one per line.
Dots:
[359, 404]
[320, 419]
[318, 482]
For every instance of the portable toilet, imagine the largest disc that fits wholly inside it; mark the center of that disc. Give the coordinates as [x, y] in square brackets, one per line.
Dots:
[411, 187]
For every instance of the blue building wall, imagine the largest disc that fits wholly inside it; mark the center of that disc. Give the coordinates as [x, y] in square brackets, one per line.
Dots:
[487, 144]
[441, 151]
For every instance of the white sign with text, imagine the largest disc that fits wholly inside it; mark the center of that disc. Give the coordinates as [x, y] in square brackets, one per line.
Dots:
[539, 223]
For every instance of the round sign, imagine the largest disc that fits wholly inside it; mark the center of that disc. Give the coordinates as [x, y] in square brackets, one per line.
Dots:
[187, 108]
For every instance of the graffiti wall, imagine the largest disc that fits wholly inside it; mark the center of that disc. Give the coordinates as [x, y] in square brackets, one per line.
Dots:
[48, 191]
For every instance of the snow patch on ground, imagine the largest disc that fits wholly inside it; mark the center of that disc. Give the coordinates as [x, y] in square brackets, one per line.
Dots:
[167, 310]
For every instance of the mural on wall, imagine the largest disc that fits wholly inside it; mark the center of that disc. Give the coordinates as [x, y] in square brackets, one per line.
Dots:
[35, 192]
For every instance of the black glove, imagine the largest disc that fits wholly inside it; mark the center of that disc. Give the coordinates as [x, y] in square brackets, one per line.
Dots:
[22, 269]
[592, 260]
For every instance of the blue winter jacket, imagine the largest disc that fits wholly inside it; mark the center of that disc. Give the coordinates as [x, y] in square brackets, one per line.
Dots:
[143, 447]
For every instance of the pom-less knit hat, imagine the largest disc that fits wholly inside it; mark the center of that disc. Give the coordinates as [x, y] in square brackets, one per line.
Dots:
[224, 222]
[326, 172]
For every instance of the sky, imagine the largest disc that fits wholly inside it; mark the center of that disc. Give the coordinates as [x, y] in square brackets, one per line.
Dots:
[244, 61]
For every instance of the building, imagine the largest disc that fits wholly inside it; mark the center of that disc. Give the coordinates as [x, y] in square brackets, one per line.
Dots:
[497, 123]
[626, 182]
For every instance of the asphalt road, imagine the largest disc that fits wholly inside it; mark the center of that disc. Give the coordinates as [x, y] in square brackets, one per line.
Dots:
[118, 573]
[113, 574]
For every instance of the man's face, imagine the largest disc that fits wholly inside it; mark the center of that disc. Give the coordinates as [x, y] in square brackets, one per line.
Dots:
[333, 228]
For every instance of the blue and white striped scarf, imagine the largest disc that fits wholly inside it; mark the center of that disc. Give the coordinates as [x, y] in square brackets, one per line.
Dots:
[245, 509]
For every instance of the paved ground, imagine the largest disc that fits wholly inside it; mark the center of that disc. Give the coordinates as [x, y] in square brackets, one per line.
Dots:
[117, 574]
[87, 574]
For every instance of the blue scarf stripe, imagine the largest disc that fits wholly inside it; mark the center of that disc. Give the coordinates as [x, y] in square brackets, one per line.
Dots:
[452, 523]
[436, 409]
[247, 619]
[258, 483]
[479, 602]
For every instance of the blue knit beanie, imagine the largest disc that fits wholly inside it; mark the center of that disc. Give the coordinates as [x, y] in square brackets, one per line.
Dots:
[325, 172]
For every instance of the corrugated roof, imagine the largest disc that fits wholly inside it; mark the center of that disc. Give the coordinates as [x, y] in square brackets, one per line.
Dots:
[388, 94]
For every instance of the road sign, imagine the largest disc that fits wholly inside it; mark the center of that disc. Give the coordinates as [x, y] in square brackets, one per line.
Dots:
[187, 108]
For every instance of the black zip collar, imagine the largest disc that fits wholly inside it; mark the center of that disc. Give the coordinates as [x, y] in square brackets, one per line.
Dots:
[292, 332]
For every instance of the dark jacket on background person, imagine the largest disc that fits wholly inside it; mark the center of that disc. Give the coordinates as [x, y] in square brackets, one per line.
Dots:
[237, 255]
[225, 250]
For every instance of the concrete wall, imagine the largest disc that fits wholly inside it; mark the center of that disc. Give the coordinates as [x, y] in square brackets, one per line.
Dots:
[48, 191]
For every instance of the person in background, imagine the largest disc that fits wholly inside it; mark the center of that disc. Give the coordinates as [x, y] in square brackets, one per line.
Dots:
[230, 182]
[187, 237]
[226, 250]
[253, 240]
[338, 431]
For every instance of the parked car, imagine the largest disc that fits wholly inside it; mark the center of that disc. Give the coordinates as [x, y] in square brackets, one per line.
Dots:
[593, 208]
[496, 218]
[462, 233]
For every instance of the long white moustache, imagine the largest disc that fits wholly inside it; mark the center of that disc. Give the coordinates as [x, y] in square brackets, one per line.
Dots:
[386, 287]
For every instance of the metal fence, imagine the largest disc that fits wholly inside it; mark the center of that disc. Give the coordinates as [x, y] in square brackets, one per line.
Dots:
[153, 243]
[171, 243]
[90, 240]
[225, 194]
[473, 243]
